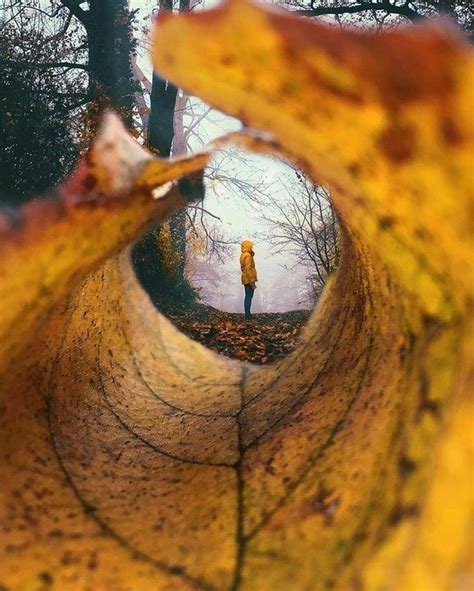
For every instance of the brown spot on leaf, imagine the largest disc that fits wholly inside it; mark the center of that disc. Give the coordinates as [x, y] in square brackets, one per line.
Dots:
[401, 512]
[325, 503]
[46, 578]
[354, 169]
[450, 131]
[92, 562]
[397, 143]
[228, 60]
[90, 182]
[406, 466]
[386, 222]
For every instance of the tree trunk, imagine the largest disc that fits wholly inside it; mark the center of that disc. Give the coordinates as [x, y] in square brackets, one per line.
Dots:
[178, 221]
[160, 257]
[160, 123]
[110, 47]
[142, 106]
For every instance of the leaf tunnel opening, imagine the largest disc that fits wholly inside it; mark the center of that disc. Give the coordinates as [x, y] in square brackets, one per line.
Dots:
[194, 268]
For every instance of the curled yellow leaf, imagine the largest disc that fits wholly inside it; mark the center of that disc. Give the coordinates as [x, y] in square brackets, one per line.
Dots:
[134, 459]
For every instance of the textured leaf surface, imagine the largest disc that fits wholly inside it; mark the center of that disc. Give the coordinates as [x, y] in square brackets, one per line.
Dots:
[135, 459]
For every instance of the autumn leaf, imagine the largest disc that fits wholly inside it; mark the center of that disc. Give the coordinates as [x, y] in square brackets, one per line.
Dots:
[132, 458]
[54, 241]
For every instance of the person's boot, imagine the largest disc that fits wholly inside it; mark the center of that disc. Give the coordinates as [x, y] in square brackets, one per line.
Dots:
[248, 316]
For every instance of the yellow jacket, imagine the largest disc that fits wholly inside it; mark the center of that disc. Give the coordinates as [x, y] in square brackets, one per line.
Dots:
[247, 264]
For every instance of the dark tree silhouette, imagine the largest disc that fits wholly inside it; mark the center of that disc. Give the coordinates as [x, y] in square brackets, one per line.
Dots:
[385, 12]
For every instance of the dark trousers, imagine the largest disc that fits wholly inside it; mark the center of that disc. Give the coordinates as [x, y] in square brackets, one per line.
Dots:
[248, 299]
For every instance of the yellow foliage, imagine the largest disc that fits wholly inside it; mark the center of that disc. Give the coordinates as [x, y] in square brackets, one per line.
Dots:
[165, 249]
[133, 459]
[196, 241]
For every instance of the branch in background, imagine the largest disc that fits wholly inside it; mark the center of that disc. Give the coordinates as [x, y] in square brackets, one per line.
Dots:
[12, 18]
[76, 10]
[179, 146]
[139, 75]
[197, 121]
[143, 109]
[47, 65]
[403, 10]
[206, 211]
[65, 28]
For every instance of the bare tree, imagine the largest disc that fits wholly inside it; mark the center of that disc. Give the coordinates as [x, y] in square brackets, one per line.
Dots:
[304, 224]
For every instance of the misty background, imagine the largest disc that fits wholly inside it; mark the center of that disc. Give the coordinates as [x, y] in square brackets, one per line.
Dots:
[236, 195]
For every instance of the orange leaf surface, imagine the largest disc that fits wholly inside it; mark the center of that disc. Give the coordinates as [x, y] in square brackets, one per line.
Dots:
[134, 459]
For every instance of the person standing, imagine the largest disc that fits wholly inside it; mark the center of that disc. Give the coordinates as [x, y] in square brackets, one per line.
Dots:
[249, 274]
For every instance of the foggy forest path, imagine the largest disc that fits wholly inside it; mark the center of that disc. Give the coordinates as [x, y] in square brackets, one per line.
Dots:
[265, 338]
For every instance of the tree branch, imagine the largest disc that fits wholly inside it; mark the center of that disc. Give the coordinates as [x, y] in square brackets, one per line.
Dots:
[46, 65]
[403, 10]
[76, 10]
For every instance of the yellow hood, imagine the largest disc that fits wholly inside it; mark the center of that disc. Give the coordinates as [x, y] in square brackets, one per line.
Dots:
[246, 246]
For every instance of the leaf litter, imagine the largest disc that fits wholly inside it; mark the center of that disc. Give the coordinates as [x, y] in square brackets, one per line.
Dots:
[263, 339]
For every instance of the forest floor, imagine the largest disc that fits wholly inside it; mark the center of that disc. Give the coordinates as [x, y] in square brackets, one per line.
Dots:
[264, 338]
